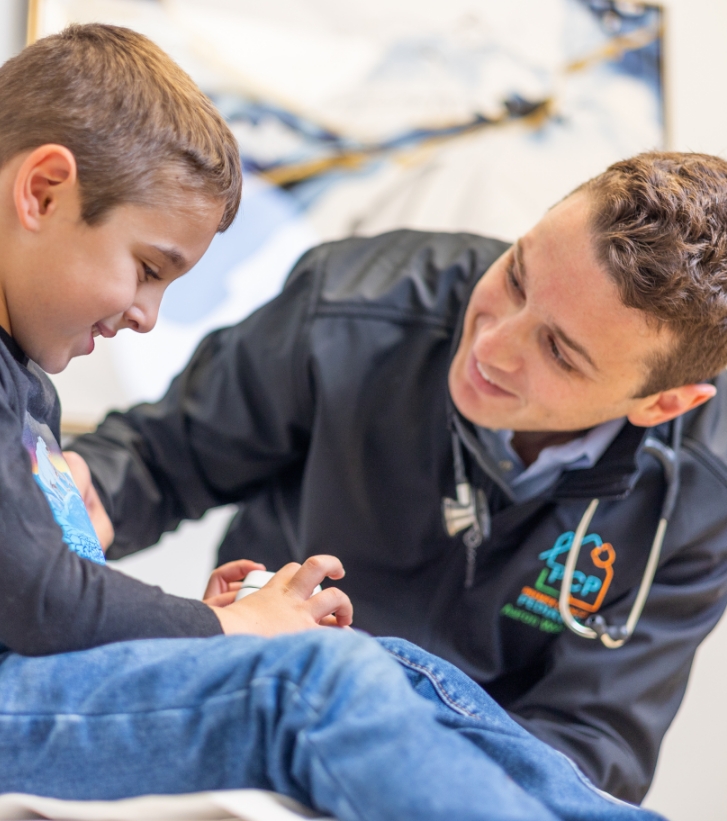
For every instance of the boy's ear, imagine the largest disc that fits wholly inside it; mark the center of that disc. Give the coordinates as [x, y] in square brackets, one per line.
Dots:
[45, 178]
[661, 407]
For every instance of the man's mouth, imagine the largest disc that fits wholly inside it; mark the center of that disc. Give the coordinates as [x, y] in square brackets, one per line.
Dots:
[483, 374]
[484, 382]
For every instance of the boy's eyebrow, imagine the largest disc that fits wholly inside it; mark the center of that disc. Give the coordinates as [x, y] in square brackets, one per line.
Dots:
[557, 331]
[174, 257]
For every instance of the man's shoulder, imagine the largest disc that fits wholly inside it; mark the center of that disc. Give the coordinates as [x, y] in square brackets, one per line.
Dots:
[404, 272]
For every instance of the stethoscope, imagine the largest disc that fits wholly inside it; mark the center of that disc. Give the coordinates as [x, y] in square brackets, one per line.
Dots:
[466, 512]
[596, 627]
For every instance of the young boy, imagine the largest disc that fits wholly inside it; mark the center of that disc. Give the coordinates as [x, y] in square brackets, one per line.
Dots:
[115, 172]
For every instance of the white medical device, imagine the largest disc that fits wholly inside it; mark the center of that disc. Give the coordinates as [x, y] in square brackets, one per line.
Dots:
[256, 579]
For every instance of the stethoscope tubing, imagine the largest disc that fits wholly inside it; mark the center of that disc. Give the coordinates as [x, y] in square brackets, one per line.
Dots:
[613, 636]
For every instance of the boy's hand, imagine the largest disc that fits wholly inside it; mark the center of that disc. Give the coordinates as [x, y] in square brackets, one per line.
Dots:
[286, 604]
[96, 511]
[226, 580]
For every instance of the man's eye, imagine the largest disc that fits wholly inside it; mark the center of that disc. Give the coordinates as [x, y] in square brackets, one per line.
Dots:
[512, 279]
[149, 273]
[557, 356]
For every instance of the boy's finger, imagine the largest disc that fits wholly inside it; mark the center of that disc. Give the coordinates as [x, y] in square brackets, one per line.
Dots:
[331, 601]
[237, 570]
[227, 577]
[312, 572]
[285, 574]
[221, 599]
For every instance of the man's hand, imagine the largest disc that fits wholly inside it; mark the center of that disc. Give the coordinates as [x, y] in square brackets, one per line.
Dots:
[226, 580]
[286, 604]
[96, 511]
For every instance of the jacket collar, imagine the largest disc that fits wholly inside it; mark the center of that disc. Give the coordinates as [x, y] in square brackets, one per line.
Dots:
[615, 473]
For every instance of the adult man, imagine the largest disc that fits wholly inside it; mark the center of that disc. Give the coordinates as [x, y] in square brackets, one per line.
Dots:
[382, 385]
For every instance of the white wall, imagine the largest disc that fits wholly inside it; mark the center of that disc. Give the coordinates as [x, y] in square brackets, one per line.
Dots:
[12, 27]
[691, 782]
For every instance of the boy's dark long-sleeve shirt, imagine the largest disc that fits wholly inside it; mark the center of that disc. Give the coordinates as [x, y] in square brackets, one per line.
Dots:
[326, 413]
[51, 599]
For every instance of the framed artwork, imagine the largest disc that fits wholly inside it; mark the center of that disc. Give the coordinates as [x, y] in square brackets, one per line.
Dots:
[362, 117]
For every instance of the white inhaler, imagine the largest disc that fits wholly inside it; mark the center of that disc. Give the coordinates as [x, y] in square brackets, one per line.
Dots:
[256, 579]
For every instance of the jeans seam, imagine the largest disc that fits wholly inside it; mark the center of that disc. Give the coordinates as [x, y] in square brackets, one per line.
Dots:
[590, 785]
[436, 683]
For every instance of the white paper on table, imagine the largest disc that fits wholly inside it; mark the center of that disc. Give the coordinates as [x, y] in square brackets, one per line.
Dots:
[223, 805]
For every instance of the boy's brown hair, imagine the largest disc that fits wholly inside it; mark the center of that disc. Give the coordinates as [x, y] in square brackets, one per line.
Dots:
[139, 128]
[659, 223]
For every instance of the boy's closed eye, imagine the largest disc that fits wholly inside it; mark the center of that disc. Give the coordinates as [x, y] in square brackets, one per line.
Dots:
[149, 273]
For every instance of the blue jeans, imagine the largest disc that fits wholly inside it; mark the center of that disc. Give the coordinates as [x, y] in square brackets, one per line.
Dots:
[359, 728]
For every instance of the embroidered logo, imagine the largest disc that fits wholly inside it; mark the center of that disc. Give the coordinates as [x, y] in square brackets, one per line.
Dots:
[537, 605]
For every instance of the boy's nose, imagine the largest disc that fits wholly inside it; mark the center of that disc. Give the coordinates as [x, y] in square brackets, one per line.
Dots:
[142, 317]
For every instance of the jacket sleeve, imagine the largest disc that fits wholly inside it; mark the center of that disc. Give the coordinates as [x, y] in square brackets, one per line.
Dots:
[52, 600]
[607, 709]
[237, 414]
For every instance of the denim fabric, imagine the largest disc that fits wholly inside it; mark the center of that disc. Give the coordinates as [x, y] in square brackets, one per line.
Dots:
[328, 717]
[541, 771]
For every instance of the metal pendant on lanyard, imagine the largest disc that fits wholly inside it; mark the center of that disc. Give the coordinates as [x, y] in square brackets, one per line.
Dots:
[596, 627]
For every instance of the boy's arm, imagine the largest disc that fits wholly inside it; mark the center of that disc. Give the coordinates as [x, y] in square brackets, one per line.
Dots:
[51, 600]
[239, 413]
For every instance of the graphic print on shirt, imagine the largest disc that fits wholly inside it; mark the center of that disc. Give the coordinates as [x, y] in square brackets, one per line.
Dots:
[53, 475]
[537, 604]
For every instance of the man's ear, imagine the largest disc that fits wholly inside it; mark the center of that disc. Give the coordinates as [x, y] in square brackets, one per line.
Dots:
[45, 178]
[661, 407]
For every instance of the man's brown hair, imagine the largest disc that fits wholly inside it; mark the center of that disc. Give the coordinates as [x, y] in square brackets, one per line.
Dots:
[659, 223]
[139, 128]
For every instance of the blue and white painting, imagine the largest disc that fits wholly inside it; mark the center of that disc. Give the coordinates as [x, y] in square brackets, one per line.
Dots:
[362, 117]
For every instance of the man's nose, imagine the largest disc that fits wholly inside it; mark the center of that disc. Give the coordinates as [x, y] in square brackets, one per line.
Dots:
[501, 343]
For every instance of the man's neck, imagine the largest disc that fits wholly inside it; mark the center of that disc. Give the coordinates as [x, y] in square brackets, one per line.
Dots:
[528, 444]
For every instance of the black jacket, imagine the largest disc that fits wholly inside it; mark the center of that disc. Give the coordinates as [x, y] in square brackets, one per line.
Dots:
[327, 414]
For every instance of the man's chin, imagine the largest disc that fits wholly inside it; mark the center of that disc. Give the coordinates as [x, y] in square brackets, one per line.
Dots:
[474, 410]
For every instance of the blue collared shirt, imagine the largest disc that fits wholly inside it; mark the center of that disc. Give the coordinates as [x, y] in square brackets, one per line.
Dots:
[528, 482]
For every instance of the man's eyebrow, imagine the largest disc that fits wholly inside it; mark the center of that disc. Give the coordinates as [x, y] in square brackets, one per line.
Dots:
[573, 345]
[174, 257]
[557, 331]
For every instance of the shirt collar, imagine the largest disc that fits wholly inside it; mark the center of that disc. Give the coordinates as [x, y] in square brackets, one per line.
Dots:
[580, 453]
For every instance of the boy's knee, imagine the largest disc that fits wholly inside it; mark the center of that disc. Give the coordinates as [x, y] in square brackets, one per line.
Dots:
[331, 659]
[334, 647]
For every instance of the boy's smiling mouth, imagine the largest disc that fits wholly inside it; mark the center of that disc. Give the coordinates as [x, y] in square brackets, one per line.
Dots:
[99, 329]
